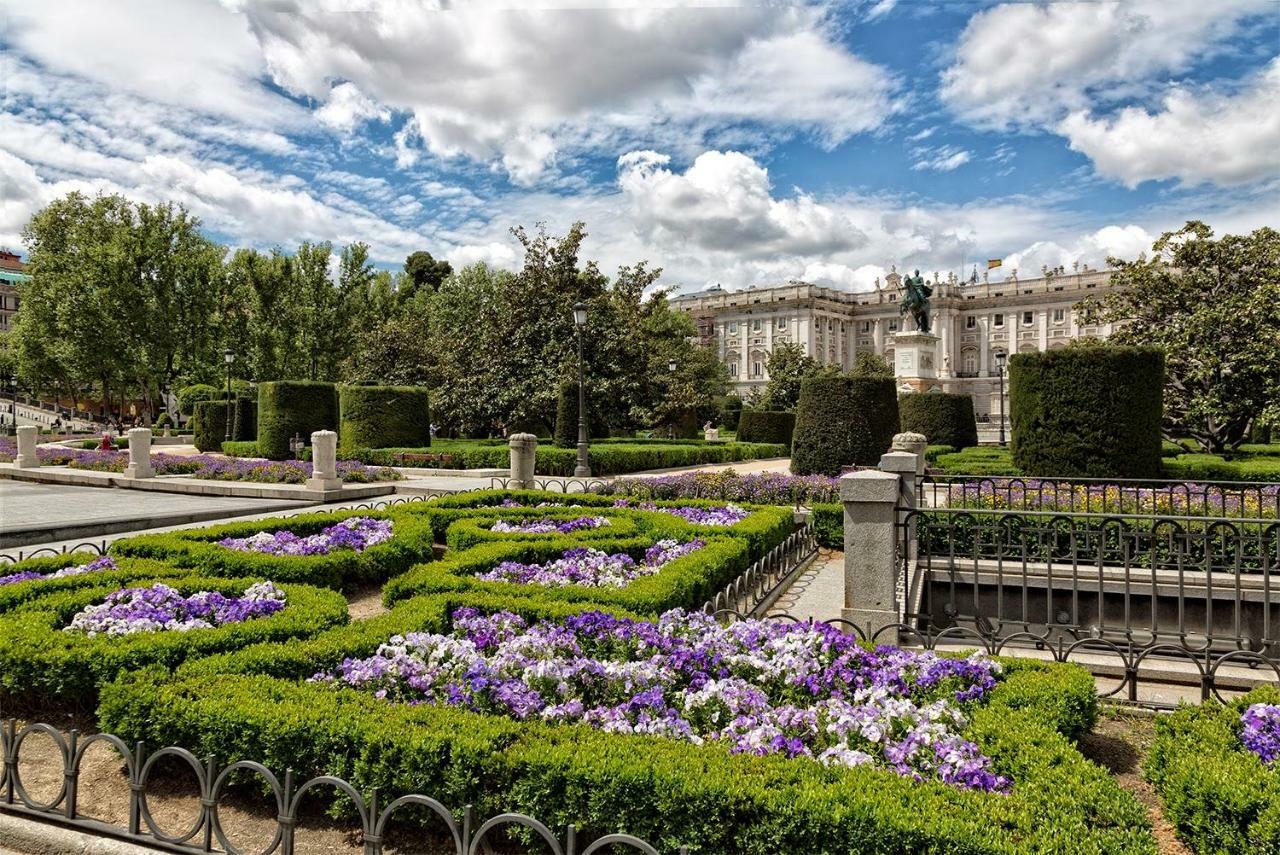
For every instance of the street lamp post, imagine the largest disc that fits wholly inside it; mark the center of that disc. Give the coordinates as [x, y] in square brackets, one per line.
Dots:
[13, 405]
[229, 357]
[583, 469]
[671, 376]
[1000, 357]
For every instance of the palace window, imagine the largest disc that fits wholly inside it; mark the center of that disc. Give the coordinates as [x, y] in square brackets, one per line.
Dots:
[782, 323]
[971, 323]
[1028, 318]
[866, 326]
[969, 361]
[757, 369]
[997, 320]
[1059, 315]
[893, 326]
[756, 325]
[733, 369]
[733, 327]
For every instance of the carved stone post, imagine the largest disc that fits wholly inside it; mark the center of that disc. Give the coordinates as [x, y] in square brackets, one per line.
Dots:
[524, 452]
[139, 454]
[324, 462]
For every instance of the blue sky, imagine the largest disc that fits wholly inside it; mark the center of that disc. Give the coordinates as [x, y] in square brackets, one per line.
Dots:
[740, 144]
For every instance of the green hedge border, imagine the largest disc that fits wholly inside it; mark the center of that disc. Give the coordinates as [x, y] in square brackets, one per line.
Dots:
[1219, 796]
[661, 790]
[469, 532]
[411, 542]
[383, 417]
[17, 594]
[42, 665]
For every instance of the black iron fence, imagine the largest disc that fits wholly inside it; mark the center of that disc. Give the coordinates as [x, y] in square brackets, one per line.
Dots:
[1129, 588]
[1250, 499]
[759, 586]
[553, 485]
[459, 832]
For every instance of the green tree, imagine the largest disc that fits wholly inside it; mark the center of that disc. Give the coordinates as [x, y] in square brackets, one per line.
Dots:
[422, 273]
[396, 352]
[1213, 306]
[868, 364]
[787, 366]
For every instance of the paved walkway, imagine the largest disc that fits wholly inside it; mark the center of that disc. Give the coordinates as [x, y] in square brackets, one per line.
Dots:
[816, 593]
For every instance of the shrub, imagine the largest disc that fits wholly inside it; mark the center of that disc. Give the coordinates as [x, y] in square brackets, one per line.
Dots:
[245, 427]
[566, 427]
[164, 421]
[730, 412]
[1089, 412]
[210, 424]
[39, 663]
[980, 460]
[828, 525]
[383, 417]
[666, 791]
[843, 421]
[189, 396]
[1219, 796]
[766, 426]
[16, 594]
[944, 418]
[1211, 467]
[293, 407]
[240, 449]
[342, 569]
[933, 452]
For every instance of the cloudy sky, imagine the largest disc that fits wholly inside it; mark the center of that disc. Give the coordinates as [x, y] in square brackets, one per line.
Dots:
[733, 143]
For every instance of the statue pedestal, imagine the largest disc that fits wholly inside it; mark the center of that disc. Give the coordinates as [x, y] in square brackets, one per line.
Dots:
[915, 357]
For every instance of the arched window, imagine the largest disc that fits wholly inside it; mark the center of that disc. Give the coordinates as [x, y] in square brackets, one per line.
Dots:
[969, 360]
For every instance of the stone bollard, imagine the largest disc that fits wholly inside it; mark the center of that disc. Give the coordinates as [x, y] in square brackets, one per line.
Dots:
[524, 452]
[26, 458]
[324, 462]
[870, 552]
[139, 454]
[911, 443]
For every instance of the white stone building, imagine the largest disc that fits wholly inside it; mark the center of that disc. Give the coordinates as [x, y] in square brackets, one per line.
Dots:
[974, 321]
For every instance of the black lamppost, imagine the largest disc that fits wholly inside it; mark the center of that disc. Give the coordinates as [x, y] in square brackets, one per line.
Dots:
[583, 469]
[13, 404]
[671, 379]
[1000, 357]
[229, 357]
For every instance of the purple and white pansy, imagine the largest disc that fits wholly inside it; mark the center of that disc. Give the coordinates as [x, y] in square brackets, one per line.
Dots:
[535, 526]
[355, 533]
[759, 687]
[98, 565]
[1260, 731]
[160, 608]
[592, 568]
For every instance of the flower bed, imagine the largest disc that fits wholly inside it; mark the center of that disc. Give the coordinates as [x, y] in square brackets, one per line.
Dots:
[592, 568]
[549, 526]
[354, 533]
[160, 608]
[1188, 499]
[726, 515]
[257, 702]
[800, 690]
[643, 574]
[97, 565]
[544, 522]
[767, 488]
[203, 549]
[213, 468]
[38, 576]
[43, 663]
[1209, 766]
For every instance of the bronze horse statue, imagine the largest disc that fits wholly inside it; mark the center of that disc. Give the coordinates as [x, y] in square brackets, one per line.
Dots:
[915, 300]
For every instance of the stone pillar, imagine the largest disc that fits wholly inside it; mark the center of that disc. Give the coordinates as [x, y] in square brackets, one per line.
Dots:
[139, 454]
[911, 443]
[324, 462]
[524, 451]
[26, 458]
[870, 552]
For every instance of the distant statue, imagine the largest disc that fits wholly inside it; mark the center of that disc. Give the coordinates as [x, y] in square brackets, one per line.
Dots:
[916, 300]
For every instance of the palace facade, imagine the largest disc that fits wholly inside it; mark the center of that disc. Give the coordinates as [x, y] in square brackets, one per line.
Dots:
[974, 323]
[11, 275]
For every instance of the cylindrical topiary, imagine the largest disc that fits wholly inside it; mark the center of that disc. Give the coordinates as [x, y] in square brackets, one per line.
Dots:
[843, 421]
[209, 427]
[293, 407]
[766, 426]
[566, 434]
[383, 417]
[1087, 412]
[944, 418]
[730, 412]
[245, 428]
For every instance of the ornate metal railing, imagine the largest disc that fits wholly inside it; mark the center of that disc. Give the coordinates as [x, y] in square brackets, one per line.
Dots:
[1103, 495]
[458, 832]
[92, 547]
[760, 585]
[553, 485]
[1134, 588]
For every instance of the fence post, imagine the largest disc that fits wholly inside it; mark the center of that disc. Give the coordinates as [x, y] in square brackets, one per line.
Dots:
[911, 443]
[26, 458]
[324, 462]
[870, 500]
[524, 452]
[139, 454]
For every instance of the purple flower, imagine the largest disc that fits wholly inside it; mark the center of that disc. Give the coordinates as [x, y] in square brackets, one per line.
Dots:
[1260, 731]
[801, 690]
[161, 608]
[766, 488]
[592, 568]
[355, 533]
[98, 565]
[535, 526]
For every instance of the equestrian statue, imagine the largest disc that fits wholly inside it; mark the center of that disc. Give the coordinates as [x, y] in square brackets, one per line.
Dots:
[915, 299]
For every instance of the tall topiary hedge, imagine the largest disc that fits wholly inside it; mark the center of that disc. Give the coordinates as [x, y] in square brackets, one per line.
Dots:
[944, 418]
[383, 417]
[209, 427]
[730, 412]
[288, 407]
[566, 432]
[843, 421]
[1087, 412]
[245, 428]
[766, 426]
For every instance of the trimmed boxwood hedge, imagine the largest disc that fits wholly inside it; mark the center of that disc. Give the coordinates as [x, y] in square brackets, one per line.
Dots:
[843, 421]
[245, 424]
[40, 664]
[766, 426]
[944, 418]
[1211, 467]
[289, 407]
[666, 791]
[1219, 796]
[342, 569]
[466, 533]
[383, 417]
[1087, 412]
[209, 427]
[687, 582]
[17, 594]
